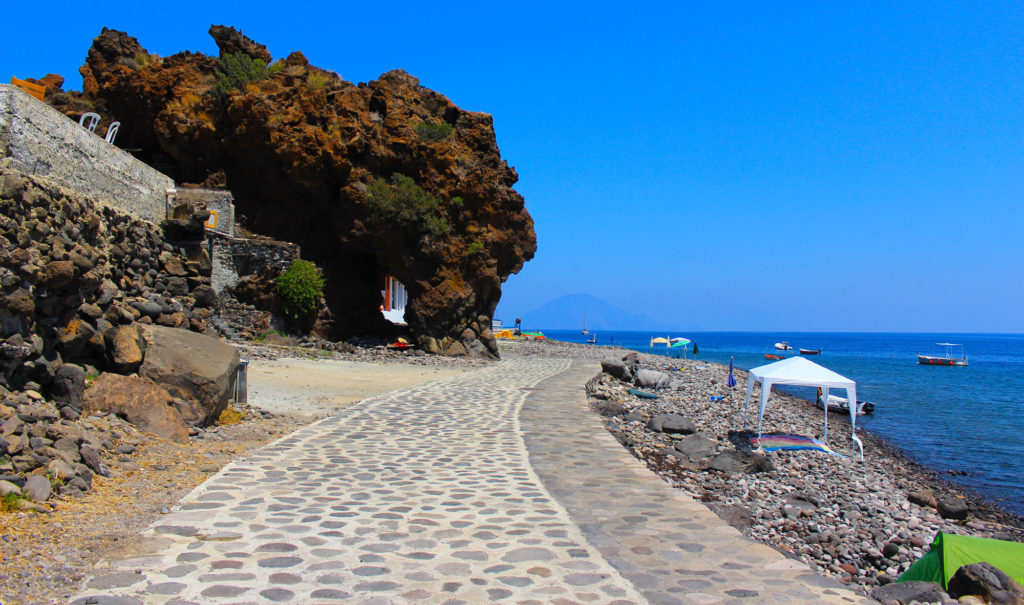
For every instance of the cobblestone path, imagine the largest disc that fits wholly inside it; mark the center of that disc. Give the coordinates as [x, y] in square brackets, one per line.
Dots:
[430, 495]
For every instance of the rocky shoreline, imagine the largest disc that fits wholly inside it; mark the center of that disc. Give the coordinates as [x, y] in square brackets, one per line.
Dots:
[862, 522]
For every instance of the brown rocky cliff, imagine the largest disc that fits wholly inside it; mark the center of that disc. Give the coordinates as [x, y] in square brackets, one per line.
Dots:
[300, 150]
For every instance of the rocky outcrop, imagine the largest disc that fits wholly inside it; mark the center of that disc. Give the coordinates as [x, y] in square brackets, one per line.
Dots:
[310, 158]
[140, 401]
[197, 369]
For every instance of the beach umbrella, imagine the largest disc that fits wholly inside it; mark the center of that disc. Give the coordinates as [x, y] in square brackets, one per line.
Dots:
[732, 379]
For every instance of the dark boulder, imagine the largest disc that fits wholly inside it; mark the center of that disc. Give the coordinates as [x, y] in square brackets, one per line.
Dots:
[671, 423]
[987, 581]
[952, 507]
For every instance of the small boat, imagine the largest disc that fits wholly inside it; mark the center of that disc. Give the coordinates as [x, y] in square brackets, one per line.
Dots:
[773, 357]
[841, 405]
[584, 331]
[783, 346]
[810, 351]
[593, 339]
[947, 360]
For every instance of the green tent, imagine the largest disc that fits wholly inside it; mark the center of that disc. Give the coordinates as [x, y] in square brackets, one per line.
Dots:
[950, 552]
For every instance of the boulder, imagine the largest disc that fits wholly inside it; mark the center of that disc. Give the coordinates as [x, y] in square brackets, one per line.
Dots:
[987, 581]
[696, 446]
[652, 379]
[952, 507]
[729, 462]
[37, 487]
[922, 497]
[68, 385]
[57, 274]
[671, 423]
[125, 348]
[906, 592]
[613, 367]
[138, 400]
[193, 367]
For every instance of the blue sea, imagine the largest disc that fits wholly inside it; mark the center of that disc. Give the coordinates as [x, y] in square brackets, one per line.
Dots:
[965, 419]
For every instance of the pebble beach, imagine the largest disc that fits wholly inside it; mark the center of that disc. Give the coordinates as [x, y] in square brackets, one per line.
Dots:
[863, 522]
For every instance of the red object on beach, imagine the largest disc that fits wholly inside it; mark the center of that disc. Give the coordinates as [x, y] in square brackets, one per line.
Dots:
[398, 345]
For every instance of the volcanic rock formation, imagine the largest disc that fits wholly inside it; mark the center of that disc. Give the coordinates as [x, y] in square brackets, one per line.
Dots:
[375, 179]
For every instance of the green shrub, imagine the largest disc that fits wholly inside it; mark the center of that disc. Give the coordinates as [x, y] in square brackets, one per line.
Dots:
[400, 201]
[433, 132]
[300, 287]
[457, 201]
[239, 69]
[9, 503]
[316, 81]
[475, 248]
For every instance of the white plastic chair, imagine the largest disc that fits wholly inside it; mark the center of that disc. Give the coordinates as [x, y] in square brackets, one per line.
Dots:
[89, 121]
[112, 132]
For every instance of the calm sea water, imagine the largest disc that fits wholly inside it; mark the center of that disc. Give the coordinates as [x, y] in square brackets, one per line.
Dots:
[968, 419]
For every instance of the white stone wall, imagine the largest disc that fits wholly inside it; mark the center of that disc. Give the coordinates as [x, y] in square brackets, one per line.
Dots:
[40, 140]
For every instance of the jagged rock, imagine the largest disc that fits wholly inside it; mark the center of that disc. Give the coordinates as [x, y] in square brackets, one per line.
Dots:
[989, 582]
[906, 592]
[73, 338]
[193, 367]
[125, 348]
[92, 459]
[68, 385]
[138, 400]
[230, 41]
[57, 274]
[344, 140]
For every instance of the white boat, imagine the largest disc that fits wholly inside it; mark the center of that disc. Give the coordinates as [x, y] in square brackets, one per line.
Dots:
[584, 331]
[841, 405]
[783, 346]
[947, 360]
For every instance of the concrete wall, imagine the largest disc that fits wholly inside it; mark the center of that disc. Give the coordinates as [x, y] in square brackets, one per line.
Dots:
[42, 141]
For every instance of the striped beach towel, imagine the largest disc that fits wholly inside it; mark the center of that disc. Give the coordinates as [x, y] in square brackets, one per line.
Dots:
[770, 442]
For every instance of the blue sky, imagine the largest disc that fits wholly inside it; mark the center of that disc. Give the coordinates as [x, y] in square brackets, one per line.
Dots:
[729, 166]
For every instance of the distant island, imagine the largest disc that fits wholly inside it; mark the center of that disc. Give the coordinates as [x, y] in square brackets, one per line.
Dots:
[568, 313]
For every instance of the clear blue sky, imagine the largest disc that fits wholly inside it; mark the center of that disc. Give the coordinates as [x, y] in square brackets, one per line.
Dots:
[854, 166]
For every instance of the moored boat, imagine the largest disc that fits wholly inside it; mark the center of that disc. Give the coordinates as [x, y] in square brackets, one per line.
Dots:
[810, 351]
[773, 357]
[783, 346]
[947, 360]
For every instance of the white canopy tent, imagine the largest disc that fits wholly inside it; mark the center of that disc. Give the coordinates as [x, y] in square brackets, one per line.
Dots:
[802, 372]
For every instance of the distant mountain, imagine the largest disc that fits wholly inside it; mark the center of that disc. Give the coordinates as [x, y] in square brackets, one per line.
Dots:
[566, 313]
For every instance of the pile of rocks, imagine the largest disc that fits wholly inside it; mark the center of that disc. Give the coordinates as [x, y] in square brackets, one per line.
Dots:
[74, 272]
[50, 451]
[90, 295]
[863, 522]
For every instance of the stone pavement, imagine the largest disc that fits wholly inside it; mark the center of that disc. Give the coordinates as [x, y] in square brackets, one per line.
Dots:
[496, 485]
